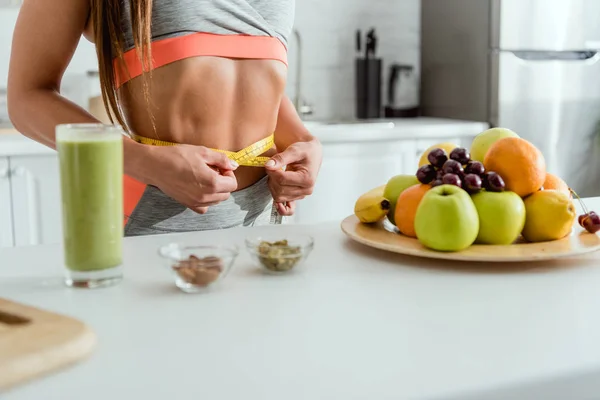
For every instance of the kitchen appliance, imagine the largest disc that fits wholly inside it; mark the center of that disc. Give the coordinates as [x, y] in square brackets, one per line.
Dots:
[368, 78]
[402, 92]
[35, 342]
[529, 65]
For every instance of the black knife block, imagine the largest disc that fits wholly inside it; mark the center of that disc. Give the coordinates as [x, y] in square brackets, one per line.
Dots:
[368, 88]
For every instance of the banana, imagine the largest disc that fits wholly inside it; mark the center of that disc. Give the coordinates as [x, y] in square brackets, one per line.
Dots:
[372, 206]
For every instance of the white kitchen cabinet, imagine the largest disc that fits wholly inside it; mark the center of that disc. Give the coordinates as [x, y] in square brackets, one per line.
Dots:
[35, 189]
[6, 223]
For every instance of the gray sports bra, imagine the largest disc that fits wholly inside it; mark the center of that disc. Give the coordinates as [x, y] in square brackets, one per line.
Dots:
[172, 18]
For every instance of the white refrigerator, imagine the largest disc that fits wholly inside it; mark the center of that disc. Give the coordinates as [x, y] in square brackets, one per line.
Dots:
[529, 65]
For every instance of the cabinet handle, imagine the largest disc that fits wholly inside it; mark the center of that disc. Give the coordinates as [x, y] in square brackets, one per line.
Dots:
[24, 187]
[4, 173]
[18, 172]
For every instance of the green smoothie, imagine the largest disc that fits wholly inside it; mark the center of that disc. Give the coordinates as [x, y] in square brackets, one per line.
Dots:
[91, 174]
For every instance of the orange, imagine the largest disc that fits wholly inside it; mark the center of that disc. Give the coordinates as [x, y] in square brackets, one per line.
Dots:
[520, 164]
[406, 208]
[553, 182]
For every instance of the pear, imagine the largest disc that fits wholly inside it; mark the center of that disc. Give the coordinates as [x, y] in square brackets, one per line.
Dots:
[394, 188]
[485, 140]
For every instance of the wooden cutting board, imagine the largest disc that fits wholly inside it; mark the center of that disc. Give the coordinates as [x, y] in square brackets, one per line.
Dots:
[35, 342]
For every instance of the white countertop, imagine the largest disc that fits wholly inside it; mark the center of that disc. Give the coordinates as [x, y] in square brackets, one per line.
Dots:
[13, 143]
[355, 323]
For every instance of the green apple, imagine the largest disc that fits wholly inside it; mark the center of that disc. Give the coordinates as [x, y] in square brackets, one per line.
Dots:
[501, 216]
[446, 219]
[485, 140]
[394, 187]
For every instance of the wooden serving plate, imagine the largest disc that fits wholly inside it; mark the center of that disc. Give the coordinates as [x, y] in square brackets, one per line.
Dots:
[383, 235]
[34, 342]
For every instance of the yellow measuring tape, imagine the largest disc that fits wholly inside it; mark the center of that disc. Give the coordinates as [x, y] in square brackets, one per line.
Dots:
[248, 156]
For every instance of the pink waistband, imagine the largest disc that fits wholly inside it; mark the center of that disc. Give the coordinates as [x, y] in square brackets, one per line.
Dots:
[169, 50]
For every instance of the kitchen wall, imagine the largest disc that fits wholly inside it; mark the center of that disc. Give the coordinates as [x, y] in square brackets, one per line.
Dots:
[327, 29]
[74, 82]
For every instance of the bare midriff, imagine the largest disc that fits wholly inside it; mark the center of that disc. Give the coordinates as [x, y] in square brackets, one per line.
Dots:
[216, 102]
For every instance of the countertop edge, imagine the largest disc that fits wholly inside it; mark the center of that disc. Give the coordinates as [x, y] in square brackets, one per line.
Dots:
[13, 143]
[396, 129]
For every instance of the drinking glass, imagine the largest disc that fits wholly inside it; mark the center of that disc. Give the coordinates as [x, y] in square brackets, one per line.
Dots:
[91, 179]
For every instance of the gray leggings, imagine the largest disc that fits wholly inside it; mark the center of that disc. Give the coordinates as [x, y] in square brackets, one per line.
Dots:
[157, 213]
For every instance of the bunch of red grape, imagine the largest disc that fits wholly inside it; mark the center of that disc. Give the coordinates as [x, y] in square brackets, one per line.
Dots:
[458, 169]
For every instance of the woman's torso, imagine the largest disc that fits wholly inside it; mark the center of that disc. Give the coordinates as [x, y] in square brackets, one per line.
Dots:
[215, 102]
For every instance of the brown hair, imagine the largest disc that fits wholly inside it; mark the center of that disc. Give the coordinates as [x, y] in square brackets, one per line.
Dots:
[106, 16]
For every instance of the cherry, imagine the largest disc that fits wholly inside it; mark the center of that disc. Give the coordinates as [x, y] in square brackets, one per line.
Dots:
[437, 157]
[452, 179]
[461, 155]
[452, 167]
[472, 183]
[590, 220]
[426, 173]
[474, 167]
[493, 182]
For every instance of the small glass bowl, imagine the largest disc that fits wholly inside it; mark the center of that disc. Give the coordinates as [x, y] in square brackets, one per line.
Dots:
[269, 253]
[197, 268]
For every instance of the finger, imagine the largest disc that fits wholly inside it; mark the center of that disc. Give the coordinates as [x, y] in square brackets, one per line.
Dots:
[219, 160]
[199, 210]
[286, 209]
[291, 207]
[209, 201]
[228, 173]
[225, 183]
[291, 178]
[289, 156]
[281, 209]
[278, 189]
[285, 199]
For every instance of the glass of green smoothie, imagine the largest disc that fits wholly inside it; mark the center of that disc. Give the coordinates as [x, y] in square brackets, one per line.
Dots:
[91, 179]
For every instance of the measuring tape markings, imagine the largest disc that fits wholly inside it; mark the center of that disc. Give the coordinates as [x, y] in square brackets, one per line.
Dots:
[248, 156]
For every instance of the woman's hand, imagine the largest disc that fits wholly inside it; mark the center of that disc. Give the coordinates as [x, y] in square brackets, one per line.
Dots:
[302, 161]
[195, 176]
